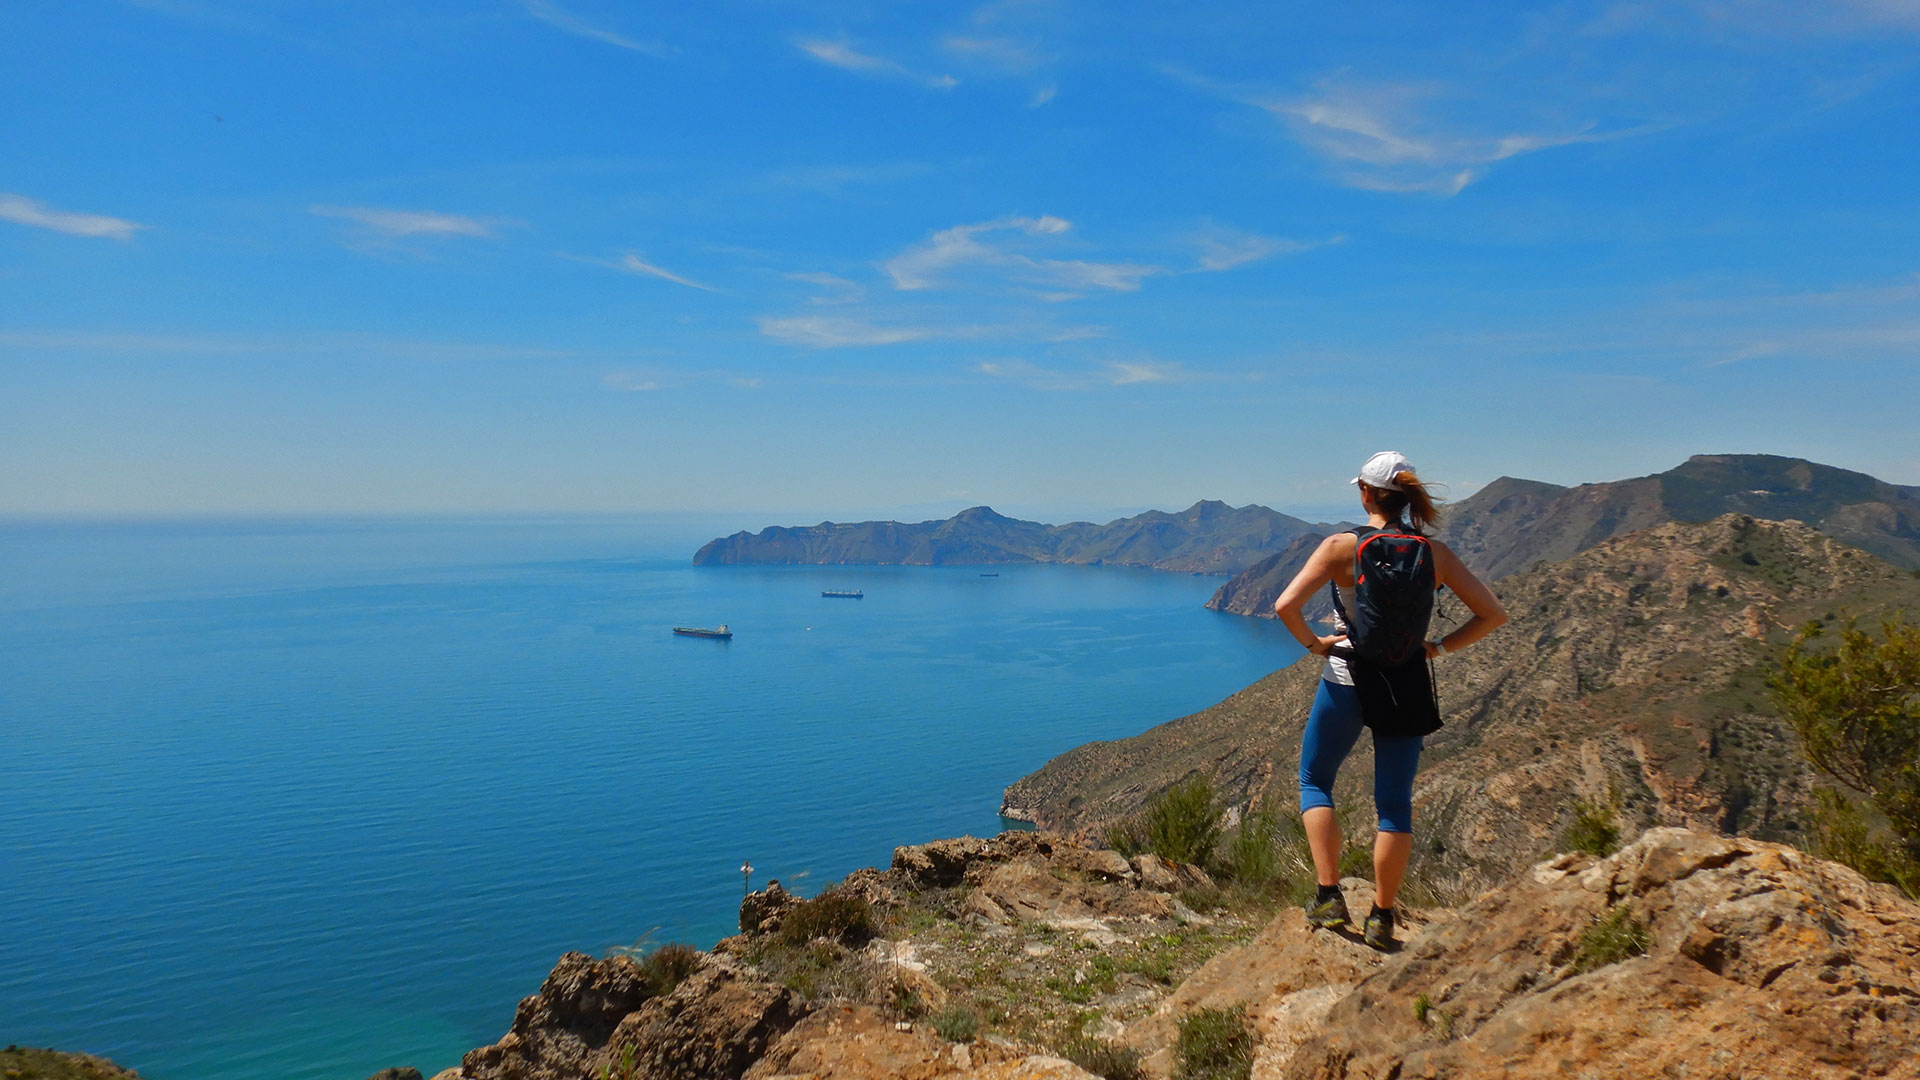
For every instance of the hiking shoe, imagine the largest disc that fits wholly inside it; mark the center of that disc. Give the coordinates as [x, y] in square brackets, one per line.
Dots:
[1379, 929]
[1330, 914]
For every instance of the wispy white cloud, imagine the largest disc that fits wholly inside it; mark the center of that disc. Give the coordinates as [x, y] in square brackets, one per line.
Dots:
[558, 17]
[1384, 136]
[1008, 54]
[632, 263]
[630, 382]
[1379, 139]
[1109, 374]
[843, 290]
[635, 264]
[843, 55]
[949, 250]
[845, 331]
[24, 211]
[1043, 95]
[823, 332]
[1227, 249]
[831, 178]
[398, 223]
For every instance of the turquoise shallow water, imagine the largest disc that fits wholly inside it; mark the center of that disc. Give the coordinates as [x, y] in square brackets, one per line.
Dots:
[304, 800]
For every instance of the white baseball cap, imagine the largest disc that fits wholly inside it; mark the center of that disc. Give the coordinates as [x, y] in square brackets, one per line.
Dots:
[1381, 468]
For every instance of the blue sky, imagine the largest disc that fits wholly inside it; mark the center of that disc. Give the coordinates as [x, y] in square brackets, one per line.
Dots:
[840, 259]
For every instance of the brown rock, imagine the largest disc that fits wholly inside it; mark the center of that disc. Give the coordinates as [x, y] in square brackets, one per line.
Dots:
[1157, 872]
[713, 1026]
[945, 863]
[854, 1042]
[557, 1031]
[1029, 890]
[1761, 963]
[762, 910]
[1287, 978]
[406, 1073]
[1093, 862]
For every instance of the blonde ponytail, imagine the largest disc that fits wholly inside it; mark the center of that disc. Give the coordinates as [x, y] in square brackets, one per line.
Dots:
[1412, 504]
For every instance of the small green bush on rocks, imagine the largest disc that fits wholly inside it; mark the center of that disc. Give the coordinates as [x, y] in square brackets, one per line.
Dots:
[833, 915]
[1214, 1044]
[956, 1023]
[1110, 1060]
[1610, 940]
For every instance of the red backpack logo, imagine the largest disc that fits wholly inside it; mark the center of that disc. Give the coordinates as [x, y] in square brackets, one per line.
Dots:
[1393, 596]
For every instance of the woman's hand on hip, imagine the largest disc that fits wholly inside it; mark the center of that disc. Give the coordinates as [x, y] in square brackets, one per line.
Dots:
[1325, 644]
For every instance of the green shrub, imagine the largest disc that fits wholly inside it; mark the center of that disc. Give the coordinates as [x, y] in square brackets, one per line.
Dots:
[1254, 856]
[1214, 1044]
[1610, 940]
[1127, 836]
[1182, 823]
[1594, 830]
[1845, 832]
[905, 1002]
[1112, 1061]
[833, 915]
[1856, 708]
[668, 966]
[956, 1023]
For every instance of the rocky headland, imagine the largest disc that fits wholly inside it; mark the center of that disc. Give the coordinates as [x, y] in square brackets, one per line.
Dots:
[1207, 538]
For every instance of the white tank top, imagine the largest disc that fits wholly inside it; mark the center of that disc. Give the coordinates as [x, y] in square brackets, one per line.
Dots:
[1336, 671]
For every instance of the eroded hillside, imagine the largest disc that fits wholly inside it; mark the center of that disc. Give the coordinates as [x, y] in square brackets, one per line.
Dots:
[1633, 672]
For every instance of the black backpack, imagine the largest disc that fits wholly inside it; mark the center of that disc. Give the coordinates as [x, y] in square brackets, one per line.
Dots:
[1393, 597]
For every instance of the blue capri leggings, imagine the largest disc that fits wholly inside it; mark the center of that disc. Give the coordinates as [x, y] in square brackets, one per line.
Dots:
[1332, 728]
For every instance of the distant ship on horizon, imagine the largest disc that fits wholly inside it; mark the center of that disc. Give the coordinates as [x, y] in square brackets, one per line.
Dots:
[843, 594]
[720, 632]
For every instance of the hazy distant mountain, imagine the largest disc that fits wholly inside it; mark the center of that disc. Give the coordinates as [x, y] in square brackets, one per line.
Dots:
[1512, 524]
[1207, 537]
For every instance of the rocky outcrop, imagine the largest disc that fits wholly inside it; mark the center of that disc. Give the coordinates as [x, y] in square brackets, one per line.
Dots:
[559, 1031]
[711, 1027]
[763, 909]
[29, 1063]
[1684, 954]
[856, 1042]
[592, 1015]
[1634, 672]
[1287, 978]
[1744, 959]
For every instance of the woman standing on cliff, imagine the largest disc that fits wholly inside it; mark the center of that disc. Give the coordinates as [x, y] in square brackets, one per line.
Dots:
[1371, 684]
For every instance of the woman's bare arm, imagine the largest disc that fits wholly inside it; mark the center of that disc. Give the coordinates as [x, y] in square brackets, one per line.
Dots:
[1311, 578]
[1488, 615]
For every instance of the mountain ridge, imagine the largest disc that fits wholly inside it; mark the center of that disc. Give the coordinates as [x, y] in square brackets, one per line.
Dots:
[1209, 537]
[1512, 523]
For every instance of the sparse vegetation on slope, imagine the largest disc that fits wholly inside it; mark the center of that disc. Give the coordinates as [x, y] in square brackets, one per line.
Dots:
[1856, 707]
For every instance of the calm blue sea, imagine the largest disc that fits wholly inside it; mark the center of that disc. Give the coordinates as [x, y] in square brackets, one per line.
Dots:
[304, 800]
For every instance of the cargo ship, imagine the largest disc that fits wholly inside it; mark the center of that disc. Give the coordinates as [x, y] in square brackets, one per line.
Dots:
[843, 594]
[720, 632]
